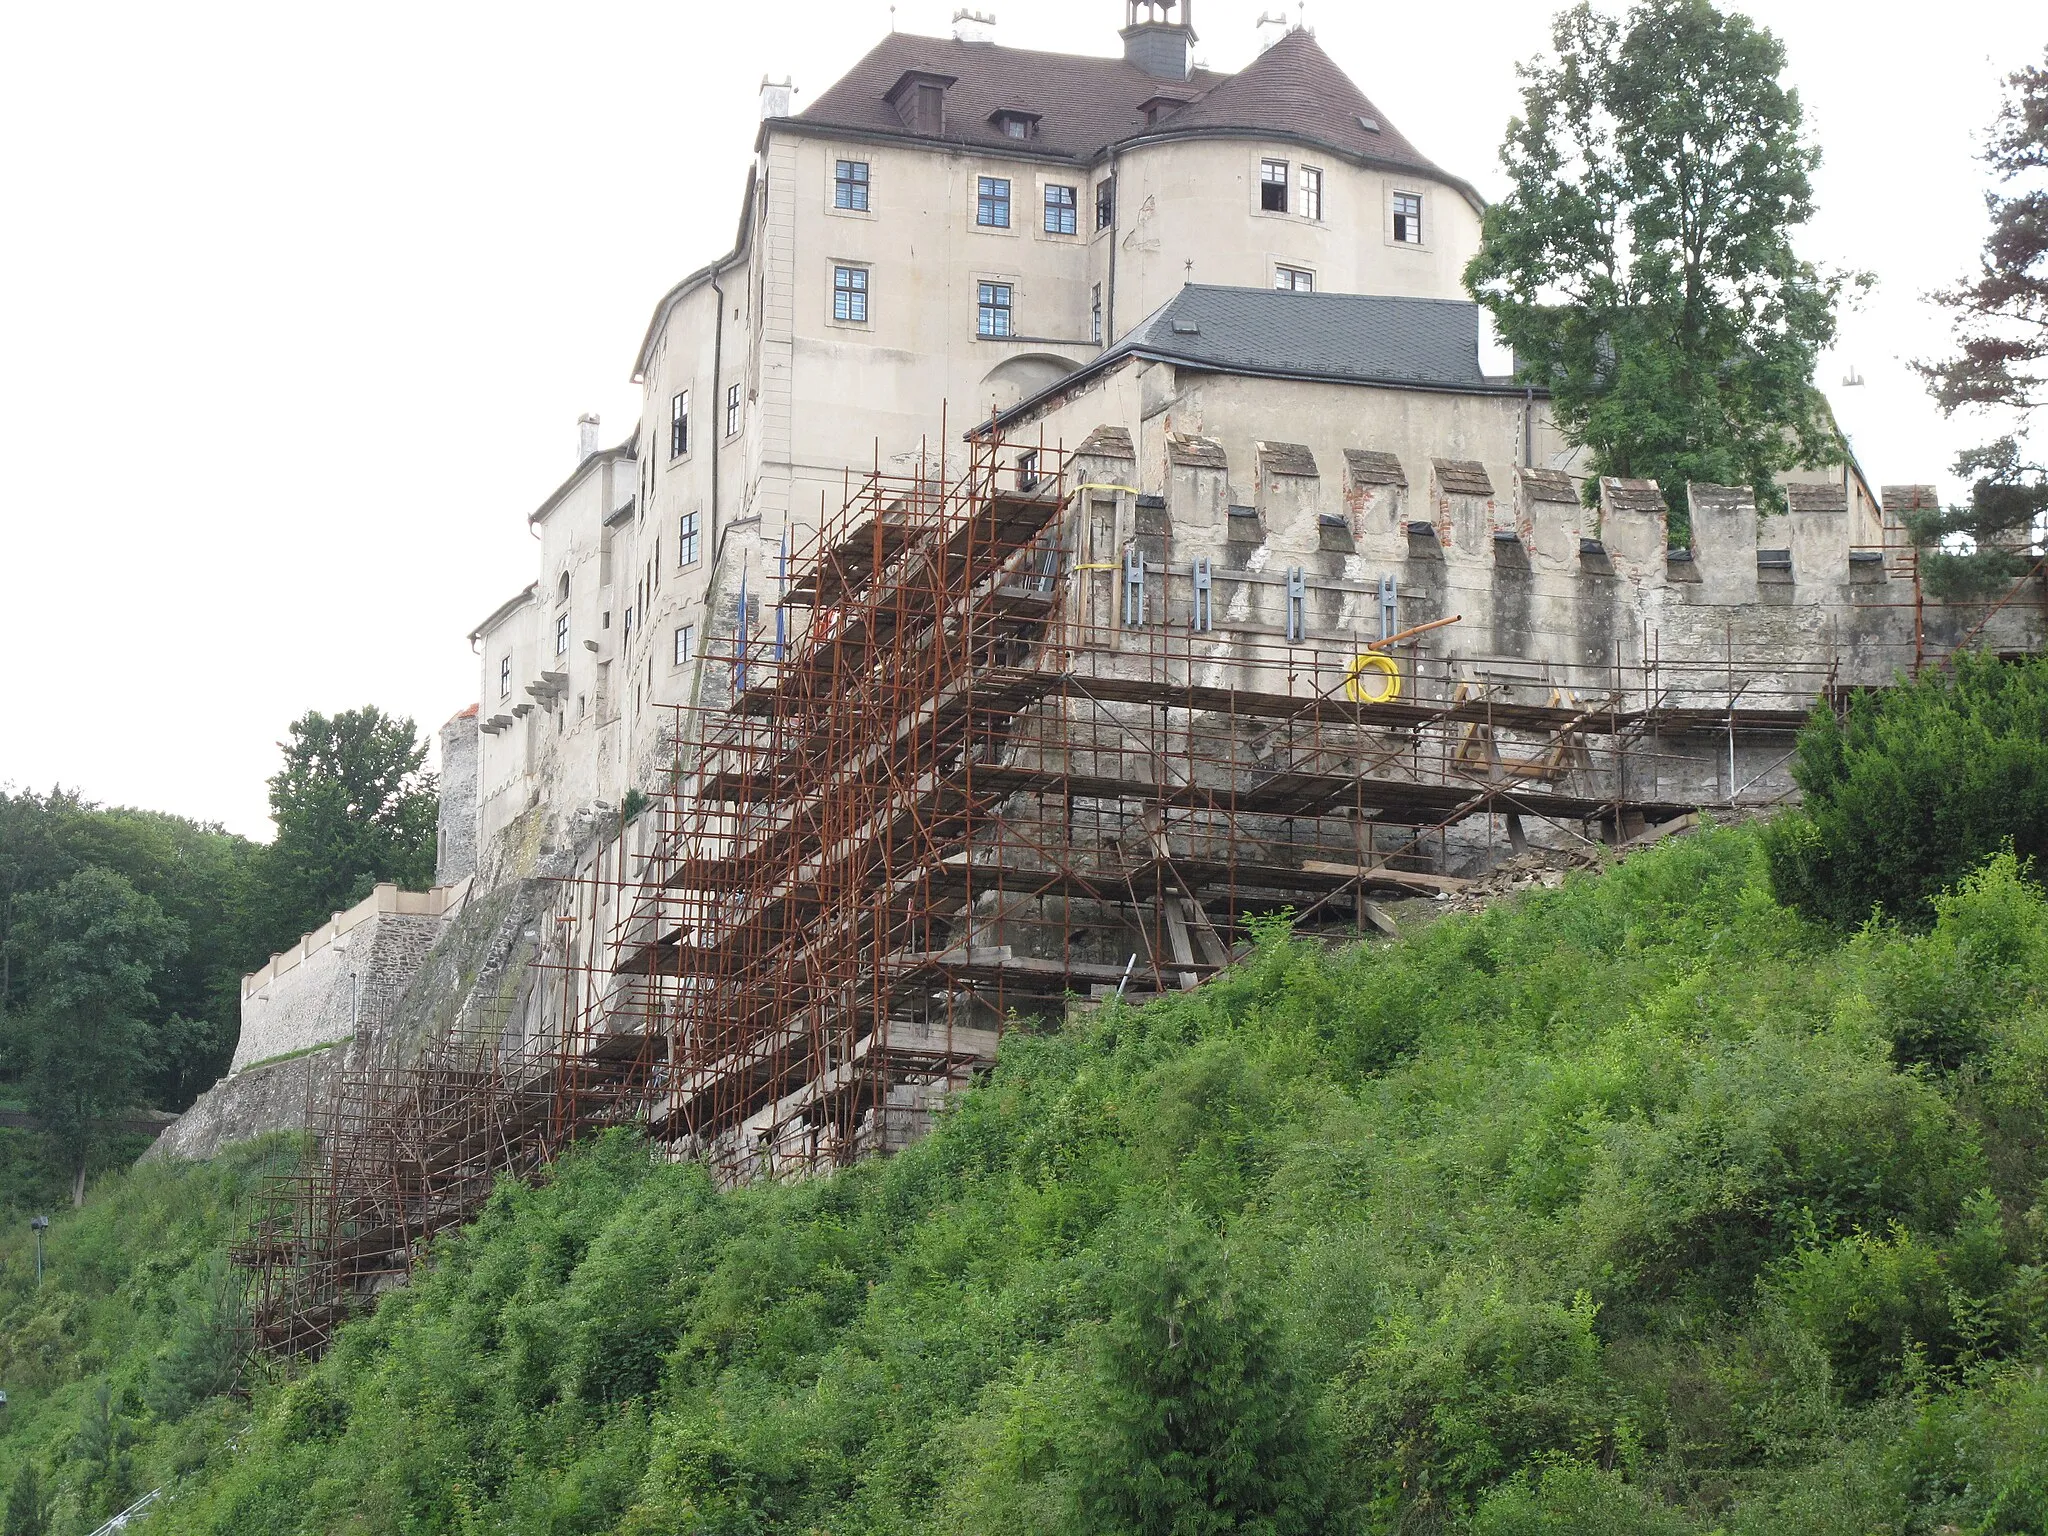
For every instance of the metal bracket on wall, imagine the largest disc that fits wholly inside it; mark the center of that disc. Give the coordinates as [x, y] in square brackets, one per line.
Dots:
[1202, 617]
[1134, 587]
[1297, 603]
[1387, 606]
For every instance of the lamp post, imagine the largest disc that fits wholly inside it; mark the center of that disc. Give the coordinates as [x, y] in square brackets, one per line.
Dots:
[40, 1225]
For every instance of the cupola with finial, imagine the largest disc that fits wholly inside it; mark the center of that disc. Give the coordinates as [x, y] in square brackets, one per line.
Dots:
[1159, 37]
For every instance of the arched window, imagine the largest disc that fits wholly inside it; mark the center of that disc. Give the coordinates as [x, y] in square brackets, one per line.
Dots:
[562, 588]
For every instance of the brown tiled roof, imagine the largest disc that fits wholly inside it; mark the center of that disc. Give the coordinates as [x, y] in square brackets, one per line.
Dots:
[1296, 89]
[1372, 468]
[1286, 459]
[1196, 452]
[1549, 485]
[1817, 498]
[1463, 477]
[1084, 103]
[1911, 498]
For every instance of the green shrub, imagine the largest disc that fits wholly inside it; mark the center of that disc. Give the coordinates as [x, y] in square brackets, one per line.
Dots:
[1913, 787]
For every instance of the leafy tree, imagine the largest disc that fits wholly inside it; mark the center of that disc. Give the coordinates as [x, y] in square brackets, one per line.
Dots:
[89, 949]
[1912, 788]
[1200, 1427]
[353, 805]
[2001, 319]
[199, 874]
[1642, 265]
[29, 1504]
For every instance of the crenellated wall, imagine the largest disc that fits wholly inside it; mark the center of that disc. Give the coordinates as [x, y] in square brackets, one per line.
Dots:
[1306, 540]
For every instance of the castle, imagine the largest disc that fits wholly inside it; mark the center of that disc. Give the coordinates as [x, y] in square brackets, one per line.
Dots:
[1082, 510]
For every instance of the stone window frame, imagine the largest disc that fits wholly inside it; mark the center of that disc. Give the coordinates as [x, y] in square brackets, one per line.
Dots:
[1061, 210]
[988, 202]
[679, 426]
[505, 676]
[1310, 183]
[852, 290]
[1419, 212]
[561, 634]
[1288, 275]
[995, 304]
[1270, 184]
[685, 644]
[851, 178]
[689, 539]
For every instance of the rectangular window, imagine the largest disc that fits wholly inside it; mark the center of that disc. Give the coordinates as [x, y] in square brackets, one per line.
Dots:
[732, 410]
[850, 185]
[1095, 315]
[1273, 186]
[992, 202]
[1105, 202]
[562, 635]
[688, 541]
[1061, 216]
[1408, 218]
[1294, 280]
[994, 316]
[505, 677]
[850, 294]
[1311, 192]
[679, 425]
[686, 639]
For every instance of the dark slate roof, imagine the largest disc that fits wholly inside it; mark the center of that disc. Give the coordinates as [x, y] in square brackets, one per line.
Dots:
[1357, 337]
[1371, 467]
[1341, 338]
[1830, 497]
[1462, 477]
[1084, 103]
[1110, 443]
[1286, 459]
[1631, 495]
[1549, 485]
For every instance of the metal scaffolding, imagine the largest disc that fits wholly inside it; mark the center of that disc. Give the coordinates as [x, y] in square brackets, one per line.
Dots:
[983, 776]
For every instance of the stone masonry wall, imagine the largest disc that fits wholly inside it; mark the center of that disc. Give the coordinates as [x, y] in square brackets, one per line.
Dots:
[455, 843]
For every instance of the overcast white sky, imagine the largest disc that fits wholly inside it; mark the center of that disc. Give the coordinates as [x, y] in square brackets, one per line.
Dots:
[299, 304]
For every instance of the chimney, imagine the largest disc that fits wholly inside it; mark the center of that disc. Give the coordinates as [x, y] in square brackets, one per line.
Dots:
[974, 26]
[586, 436]
[775, 95]
[1271, 27]
[1159, 37]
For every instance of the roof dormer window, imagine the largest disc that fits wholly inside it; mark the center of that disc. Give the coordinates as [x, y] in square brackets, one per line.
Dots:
[1012, 124]
[1156, 109]
[919, 97]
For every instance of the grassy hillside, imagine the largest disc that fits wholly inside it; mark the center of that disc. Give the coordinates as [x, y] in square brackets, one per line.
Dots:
[1641, 1205]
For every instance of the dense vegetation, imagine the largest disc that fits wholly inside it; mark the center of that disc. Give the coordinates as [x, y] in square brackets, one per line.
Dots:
[116, 1366]
[1645, 1204]
[123, 934]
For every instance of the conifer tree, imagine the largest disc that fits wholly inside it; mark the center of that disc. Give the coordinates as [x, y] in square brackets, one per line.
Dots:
[1199, 1426]
[28, 1504]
